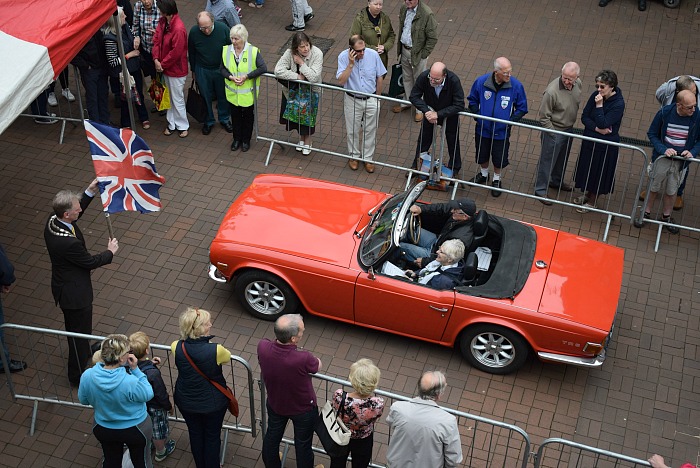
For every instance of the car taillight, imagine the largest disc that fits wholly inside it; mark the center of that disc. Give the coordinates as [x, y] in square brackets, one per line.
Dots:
[594, 348]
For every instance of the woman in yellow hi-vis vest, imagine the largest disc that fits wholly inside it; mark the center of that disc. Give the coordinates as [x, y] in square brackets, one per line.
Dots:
[241, 66]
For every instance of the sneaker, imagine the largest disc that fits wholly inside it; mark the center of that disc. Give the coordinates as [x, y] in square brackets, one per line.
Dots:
[638, 223]
[53, 102]
[307, 150]
[581, 200]
[299, 146]
[308, 17]
[479, 179]
[671, 229]
[169, 448]
[15, 366]
[496, 184]
[293, 28]
[68, 95]
[48, 120]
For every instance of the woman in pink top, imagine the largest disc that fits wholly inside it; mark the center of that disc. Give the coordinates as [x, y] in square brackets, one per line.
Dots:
[360, 412]
[170, 58]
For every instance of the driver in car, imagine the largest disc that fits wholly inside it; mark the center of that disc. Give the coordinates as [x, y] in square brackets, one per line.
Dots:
[456, 219]
[445, 272]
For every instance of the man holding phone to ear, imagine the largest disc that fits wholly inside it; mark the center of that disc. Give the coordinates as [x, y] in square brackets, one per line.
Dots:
[360, 70]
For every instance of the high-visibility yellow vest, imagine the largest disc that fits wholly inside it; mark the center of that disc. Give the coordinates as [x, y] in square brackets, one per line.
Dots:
[241, 95]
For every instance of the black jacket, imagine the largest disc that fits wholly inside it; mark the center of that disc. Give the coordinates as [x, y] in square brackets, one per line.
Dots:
[450, 102]
[92, 55]
[71, 263]
[160, 399]
[439, 214]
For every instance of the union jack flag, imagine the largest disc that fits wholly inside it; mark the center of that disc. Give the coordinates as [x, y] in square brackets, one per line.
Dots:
[125, 169]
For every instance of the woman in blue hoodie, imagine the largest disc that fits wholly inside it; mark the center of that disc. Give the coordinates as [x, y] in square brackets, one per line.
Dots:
[119, 397]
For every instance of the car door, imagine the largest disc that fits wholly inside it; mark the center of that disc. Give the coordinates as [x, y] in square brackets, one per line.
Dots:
[402, 307]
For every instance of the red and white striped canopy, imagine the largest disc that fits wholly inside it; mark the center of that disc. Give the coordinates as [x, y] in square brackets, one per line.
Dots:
[38, 38]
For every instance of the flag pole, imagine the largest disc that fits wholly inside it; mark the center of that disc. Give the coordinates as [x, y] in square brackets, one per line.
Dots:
[125, 70]
[109, 225]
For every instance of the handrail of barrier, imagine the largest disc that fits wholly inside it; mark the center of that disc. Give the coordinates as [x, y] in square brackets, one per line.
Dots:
[252, 429]
[539, 456]
[524, 444]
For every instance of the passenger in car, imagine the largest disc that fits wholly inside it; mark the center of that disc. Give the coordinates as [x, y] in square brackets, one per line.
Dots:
[445, 272]
[456, 219]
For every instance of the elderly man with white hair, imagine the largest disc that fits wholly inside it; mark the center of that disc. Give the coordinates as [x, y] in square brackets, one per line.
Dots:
[445, 272]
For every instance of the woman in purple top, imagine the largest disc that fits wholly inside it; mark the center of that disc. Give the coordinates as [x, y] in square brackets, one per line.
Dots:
[360, 412]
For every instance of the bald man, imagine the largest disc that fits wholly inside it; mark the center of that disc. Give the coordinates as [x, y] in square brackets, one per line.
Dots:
[419, 420]
[438, 94]
[499, 95]
[675, 131]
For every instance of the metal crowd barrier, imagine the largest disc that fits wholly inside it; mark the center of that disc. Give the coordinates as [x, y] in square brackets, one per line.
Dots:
[485, 442]
[45, 381]
[397, 137]
[568, 453]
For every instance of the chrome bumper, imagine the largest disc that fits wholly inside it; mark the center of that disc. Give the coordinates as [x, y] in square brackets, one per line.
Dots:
[216, 275]
[573, 360]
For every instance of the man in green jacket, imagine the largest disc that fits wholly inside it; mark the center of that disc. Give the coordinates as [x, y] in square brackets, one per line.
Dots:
[417, 39]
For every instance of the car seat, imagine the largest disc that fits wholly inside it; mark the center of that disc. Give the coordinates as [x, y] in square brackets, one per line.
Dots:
[470, 273]
[480, 229]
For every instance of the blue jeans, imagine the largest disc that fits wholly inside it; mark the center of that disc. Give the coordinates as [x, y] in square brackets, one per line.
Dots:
[303, 435]
[211, 83]
[423, 249]
[96, 94]
[205, 436]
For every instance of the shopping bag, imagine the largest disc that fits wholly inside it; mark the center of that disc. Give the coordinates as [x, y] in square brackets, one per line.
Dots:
[133, 93]
[331, 432]
[396, 83]
[159, 93]
[196, 104]
[302, 106]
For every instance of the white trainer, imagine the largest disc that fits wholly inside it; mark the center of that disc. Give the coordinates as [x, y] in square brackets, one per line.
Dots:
[52, 99]
[68, 95]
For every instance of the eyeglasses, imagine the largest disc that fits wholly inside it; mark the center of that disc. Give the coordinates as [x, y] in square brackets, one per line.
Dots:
[206, 28]
[688, 107]
[505, 73]
[600, 86]
[435, 80]
[361, 51]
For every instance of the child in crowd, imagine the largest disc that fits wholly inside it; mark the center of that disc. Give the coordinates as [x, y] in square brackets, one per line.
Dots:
[160, 405]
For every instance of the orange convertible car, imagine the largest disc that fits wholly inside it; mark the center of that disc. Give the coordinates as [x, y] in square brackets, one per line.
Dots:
[290, 242]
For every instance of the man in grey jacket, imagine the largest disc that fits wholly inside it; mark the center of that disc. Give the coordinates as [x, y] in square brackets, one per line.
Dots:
[421, 419]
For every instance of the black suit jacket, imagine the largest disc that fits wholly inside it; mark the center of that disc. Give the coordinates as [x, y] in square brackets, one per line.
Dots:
[71, 263]
[450, 102]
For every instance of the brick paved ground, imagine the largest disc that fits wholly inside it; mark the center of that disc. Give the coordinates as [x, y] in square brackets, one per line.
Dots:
[645, 399]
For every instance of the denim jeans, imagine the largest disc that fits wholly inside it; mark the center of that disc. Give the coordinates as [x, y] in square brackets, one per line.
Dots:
[423, 249]
[205, 436]
[211, 84]
[303, 435]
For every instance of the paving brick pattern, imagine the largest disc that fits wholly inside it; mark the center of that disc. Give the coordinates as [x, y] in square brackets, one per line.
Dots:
[645, 399]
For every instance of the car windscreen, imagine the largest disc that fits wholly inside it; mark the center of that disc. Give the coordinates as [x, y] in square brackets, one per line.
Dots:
[387, 226]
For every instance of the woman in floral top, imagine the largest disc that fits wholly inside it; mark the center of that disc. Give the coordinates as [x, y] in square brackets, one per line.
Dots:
[360, 412]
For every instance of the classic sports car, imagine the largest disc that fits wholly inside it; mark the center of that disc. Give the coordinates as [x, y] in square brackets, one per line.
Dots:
[290, 242]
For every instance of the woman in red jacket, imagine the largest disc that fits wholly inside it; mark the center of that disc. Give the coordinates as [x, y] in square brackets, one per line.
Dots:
[170, 58]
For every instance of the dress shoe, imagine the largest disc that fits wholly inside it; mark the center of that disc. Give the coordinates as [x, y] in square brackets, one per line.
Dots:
[678, 204]
[206, 129]
[227, 126]
[15, 366]
[353, 164]
[479, 179]
[245, 146]
[496, 184]
[418, 117]
[399, 108]
[564, 187]
[642, 5]
[369, 167]
[544, 202]
[236, 145]
[603, 3]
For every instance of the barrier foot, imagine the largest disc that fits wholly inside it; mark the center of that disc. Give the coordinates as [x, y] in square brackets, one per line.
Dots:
[63, 131]
[607, 228]
[269, 153]
[658, 238]
[35, 410]
[223, 448]
[285, 452]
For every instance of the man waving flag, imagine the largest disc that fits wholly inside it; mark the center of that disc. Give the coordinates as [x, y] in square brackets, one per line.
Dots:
[125, 169]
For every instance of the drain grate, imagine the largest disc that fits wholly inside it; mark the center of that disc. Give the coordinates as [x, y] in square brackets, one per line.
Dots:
[322, 43]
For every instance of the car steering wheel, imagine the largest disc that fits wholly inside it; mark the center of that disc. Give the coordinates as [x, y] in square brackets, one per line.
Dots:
[414, 229]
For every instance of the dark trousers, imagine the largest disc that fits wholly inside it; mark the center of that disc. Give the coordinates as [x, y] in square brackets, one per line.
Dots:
[361, 451]
[211, 84]
[205, 436]
[137, 438]
[79, 352]
[425, 141]
[141, 111]
[63, 78]
[242, 119]
[39, 104]
[96, 94]
[553, 159]
[303, 435]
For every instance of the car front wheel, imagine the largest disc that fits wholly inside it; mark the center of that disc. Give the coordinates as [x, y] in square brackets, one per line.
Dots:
[265, 295]
[494, 349]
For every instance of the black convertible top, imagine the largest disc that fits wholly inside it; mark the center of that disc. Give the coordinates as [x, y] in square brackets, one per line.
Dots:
[512, 268]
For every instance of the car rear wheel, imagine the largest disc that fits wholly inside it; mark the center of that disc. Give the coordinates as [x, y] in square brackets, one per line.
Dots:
[265, 295]
[494, 349]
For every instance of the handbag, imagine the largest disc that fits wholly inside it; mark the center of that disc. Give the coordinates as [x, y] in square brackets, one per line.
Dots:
[331, 431]
[159, 93]
[134, 95]
[228, 393]
[196, 104]
[302, 106]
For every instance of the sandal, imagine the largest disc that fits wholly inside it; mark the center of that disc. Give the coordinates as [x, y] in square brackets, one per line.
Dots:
[183, 133]
[582, 200]
[167, 131]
